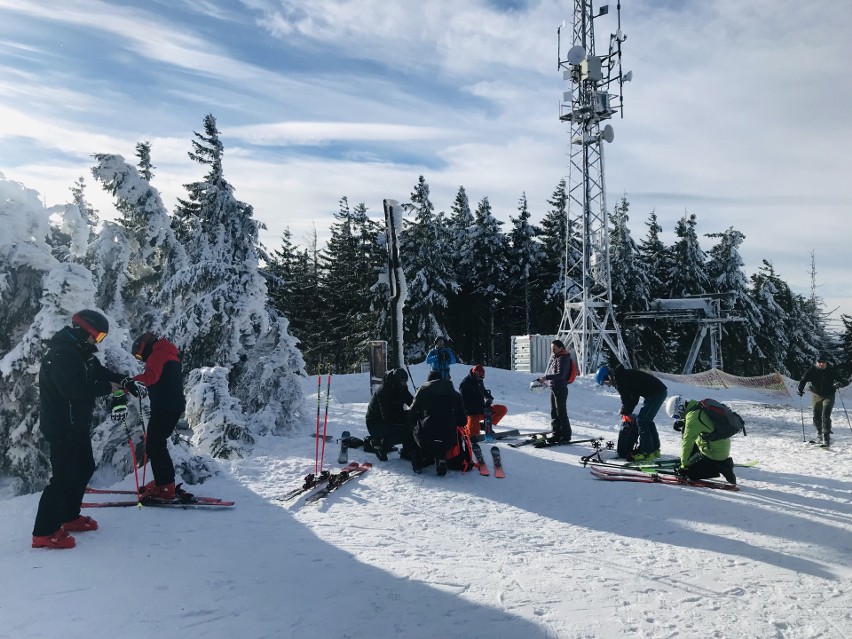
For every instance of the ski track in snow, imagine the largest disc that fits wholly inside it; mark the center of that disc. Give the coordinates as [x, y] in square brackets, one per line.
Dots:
[549, 551]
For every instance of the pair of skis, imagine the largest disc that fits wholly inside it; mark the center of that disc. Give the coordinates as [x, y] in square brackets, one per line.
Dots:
[657, 477]
[183, 500]
[495, 457]
[325, 483]
[648, 466]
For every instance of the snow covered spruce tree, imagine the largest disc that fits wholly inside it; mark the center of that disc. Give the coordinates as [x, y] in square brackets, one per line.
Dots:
[350, 262]
[775, 301]
[555, 228]
[656, 350]
[138, 254]
[459, 312]
[629, 280]
[524, 257]
[25, 258]
[425, 243]
[686, 277]
[486, 264]
[219, 316]
[295, 292]
[724, 269]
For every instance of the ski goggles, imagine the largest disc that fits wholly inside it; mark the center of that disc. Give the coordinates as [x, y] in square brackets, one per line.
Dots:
[95, 334]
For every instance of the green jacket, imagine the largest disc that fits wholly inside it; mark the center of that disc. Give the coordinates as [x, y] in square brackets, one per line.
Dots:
[697, 422]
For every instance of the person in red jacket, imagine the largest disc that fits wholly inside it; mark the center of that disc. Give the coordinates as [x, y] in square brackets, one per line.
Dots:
[163, 377]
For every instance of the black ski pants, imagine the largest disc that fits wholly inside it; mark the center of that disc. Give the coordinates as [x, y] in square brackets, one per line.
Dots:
[72, 465]
[160, 428]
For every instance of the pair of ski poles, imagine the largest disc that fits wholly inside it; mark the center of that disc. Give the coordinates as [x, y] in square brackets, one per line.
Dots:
[842, 403]
[144, 416]
[319, 455]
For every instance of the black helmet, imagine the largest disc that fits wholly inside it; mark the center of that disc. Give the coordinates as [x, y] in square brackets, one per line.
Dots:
[92, 323]
[143, 345]
[400, 376]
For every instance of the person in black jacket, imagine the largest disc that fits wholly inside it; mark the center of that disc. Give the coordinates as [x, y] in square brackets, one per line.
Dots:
[477, 398]
[557, 376]
[824, 383]
[163, 379]
[70, 379]
[436, 414]
[387, 421]
[633, 385]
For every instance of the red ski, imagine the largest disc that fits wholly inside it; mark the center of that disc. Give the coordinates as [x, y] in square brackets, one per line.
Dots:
[188, 502]
[480, 460]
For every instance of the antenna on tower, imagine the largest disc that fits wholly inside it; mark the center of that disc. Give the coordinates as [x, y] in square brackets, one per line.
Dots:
[595, 95]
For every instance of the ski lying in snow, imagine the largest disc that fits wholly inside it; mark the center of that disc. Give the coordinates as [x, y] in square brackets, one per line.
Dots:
[313, 481]
[343, 457]
[335, 481]
[498, 463]
[531, 438]
[658, 478]
[664, 464]
[188, 501]
[480, 460]
[544, 443]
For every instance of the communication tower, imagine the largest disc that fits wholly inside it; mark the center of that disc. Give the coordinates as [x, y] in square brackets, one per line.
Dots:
[595, 95]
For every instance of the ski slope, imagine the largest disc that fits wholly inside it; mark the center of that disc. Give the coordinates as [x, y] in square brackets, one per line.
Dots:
[549, 551]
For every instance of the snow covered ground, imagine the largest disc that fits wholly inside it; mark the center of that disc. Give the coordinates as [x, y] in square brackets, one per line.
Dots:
[549, 551]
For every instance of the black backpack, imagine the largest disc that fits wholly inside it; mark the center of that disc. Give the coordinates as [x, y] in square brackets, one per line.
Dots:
[628, 436]
[726, 422]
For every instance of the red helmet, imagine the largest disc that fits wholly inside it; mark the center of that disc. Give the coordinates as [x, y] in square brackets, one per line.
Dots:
[478, 370]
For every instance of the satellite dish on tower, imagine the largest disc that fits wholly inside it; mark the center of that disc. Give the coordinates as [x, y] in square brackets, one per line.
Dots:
[628, 76]
[608, 134]
[576, 54]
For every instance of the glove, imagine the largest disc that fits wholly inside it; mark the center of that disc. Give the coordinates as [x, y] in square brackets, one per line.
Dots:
[837, 385]
[627, 419]
[133, 387]
[801, 392]
[128, 385]
[681, 474]
[678, 425]
[118, 402]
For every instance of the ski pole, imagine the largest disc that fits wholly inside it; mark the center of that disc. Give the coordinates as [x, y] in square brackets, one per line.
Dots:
[844, 409]
[316, 451]
[411, 378]
[325, 421]
[144, 416]
[802, 410]
[118, 401]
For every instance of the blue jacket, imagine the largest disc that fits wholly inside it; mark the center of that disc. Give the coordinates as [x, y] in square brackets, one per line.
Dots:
[440, 360]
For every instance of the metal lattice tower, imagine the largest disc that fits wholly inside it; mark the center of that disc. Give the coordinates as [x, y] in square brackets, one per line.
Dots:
[588, 321]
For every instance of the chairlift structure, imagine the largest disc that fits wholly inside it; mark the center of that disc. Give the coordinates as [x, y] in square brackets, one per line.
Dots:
[706, 312]
[588, 321]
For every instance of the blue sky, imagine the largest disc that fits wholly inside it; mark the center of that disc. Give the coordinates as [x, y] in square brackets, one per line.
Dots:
[737, 111]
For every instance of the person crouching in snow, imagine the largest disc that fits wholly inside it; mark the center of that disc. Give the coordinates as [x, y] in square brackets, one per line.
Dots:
[163, 378]
[700, 457]
[477, 400]
[436, 416]
[387, 416]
